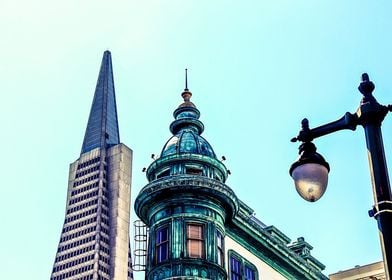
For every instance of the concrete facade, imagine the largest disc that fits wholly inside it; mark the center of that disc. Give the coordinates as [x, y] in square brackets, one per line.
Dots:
[94, 242]
[373, 271]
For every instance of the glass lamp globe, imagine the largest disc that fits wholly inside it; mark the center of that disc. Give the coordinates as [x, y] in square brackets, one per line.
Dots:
[310, 180]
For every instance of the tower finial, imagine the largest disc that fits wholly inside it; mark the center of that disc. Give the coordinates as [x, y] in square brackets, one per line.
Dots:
[186, 94]
[186, 80]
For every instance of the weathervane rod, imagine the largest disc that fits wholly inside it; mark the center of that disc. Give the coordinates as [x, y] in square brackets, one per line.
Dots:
[186, 79]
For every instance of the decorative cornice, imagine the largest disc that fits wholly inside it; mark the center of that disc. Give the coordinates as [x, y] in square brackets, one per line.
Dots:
[185, 157]
[261, 243]
[173, 186]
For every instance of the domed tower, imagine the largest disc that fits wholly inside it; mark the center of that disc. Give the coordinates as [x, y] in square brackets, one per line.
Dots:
[186, 203]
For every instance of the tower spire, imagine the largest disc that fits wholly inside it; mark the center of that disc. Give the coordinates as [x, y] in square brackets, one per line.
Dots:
[186, 80]
[102, 127]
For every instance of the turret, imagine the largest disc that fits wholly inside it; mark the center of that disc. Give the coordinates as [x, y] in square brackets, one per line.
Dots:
[186, 203]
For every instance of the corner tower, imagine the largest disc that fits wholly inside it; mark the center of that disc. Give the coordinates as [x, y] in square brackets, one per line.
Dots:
[199, 229]
[186, 203]
[94, 242]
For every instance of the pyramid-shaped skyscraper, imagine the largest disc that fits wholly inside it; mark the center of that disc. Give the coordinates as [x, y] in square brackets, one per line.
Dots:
[94, 242]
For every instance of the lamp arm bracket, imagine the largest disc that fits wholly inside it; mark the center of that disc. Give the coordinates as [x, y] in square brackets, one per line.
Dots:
[348, 121]
[381, 207]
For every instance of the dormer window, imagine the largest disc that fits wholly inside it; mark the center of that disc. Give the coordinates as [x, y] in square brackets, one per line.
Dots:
[217, 176]
[193, 170]
[164, 173]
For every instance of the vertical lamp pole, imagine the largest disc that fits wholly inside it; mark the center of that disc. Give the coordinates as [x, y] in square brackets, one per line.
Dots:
[310, 171]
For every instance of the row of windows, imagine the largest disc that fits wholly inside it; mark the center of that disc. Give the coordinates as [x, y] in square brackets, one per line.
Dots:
[89, 162]
[104, 229]
[76, 243]
[81, 215]
[83, 197]
[85, 180]
[77, 234]
[83, 189]
[73, 263]
[104, 239]
[105, 202]
[86, 277]
[240, 269]
[74, 272]
[103, 248]
[191, 170]
[104, 269]
[80, 224]
[188, 170]
[105, 220]
[195, 240]
[102, 277]
[104, 193]
[75, 253]
[104, 259]
[105, 211]
[81, 206]
[87, 171]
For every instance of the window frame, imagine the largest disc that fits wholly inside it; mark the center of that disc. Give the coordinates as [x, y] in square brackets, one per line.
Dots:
[201, 240]
[251, 268]
[162, 244]
[163, 173]
[244, 264]
[220, 250]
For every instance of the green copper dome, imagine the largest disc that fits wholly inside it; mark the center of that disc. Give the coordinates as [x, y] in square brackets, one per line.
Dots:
[187, 141]
[187, 129]
[187, 151]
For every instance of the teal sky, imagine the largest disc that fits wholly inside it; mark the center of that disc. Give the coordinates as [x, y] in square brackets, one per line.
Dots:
[256, 69]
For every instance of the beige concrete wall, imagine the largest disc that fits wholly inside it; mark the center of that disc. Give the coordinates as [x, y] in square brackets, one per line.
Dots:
[374, 271]
[263, 269]
[119, 160]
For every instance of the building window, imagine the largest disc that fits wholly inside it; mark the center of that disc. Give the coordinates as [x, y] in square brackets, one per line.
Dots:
[250, 273]
[164, 173]
[220, 250]
[241, 269]
[193, 170]
[162, 244]
[235, 269]
[195, 240]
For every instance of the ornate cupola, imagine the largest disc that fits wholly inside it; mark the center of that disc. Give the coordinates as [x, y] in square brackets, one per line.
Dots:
[186, 203]
[187, 152]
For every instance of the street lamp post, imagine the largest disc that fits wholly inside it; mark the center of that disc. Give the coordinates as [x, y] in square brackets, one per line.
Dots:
[310, 171]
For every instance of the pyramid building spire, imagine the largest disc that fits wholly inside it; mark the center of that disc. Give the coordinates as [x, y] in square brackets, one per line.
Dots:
[94, 242]
[102, 127]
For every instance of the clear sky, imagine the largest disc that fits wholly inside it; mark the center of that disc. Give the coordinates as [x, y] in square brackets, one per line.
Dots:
[256, 69]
